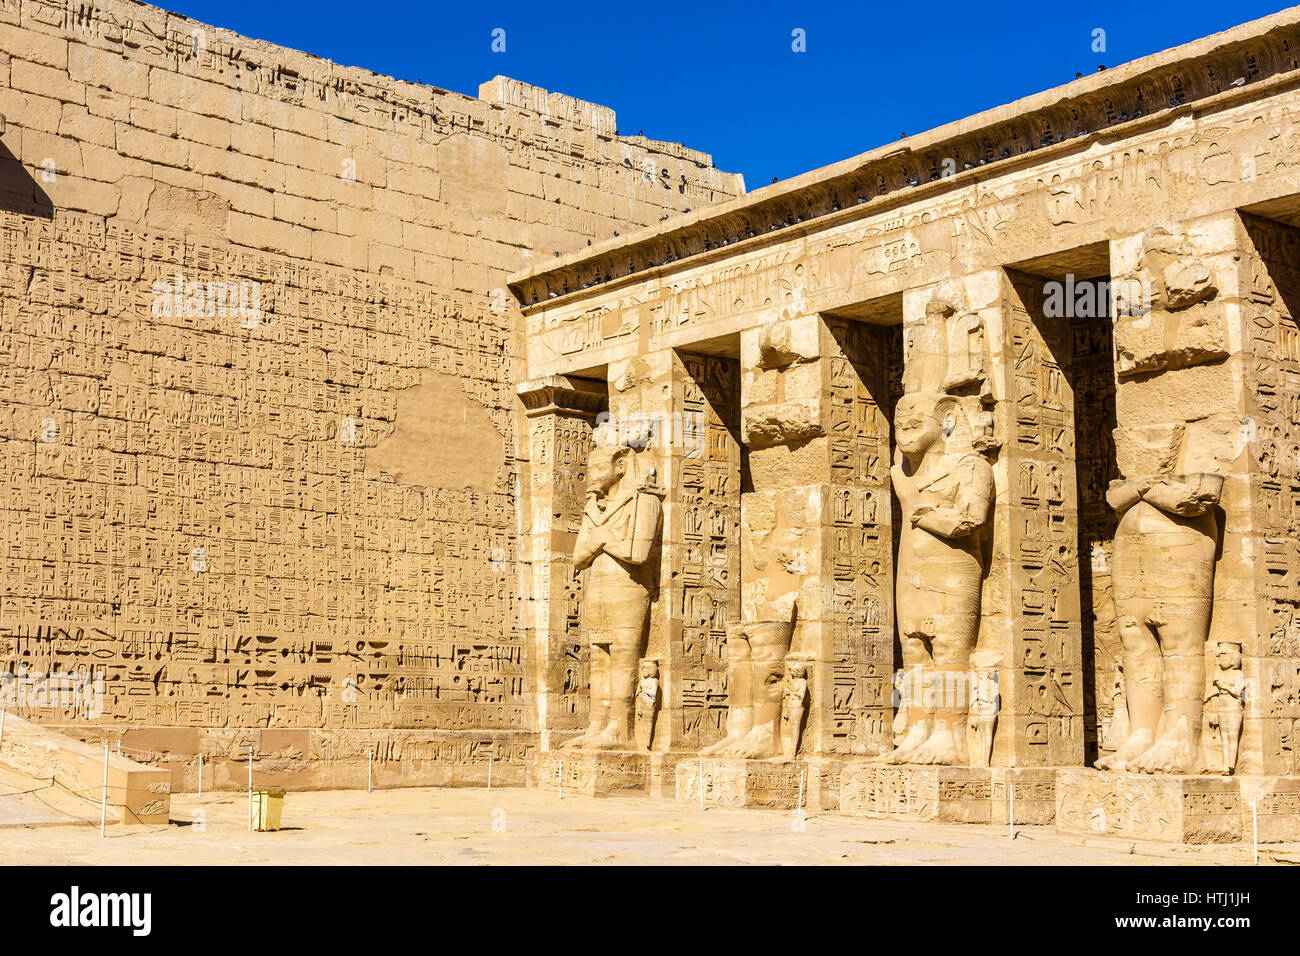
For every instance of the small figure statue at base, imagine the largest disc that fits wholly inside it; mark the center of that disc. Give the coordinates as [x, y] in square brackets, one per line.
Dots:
[647, 703]
[1228, 695]
[982, 719]
[794, 703]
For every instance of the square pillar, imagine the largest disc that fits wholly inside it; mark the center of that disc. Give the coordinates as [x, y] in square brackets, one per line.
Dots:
[560, 412]
[701, 580]
[816, 523]
[1269, 304]
[1209, 370]
[1006, 369]
[682, 410]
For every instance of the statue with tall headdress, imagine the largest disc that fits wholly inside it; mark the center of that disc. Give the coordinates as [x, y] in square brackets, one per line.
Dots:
[944, 485]
[616, 545]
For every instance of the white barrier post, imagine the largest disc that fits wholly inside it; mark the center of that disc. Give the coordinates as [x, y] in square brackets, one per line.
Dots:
[250, 788]
[1254, 819]
[798, 813]
[370, 759]
[701, 784]
[1011, 811]
[103, 797]
[2, 726]
[200, 773]
[489, 773]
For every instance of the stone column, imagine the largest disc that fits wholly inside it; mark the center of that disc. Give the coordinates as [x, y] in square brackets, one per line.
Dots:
[1001, 360]
[701, 579]
[560, 412]
[682, 409]
[815, 533]
[1209, 370]
[1269, 304]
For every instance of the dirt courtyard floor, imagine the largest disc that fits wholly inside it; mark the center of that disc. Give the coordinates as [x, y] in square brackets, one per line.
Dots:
[520, 826]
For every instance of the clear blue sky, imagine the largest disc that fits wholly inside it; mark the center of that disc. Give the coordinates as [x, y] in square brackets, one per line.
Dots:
[722, 77]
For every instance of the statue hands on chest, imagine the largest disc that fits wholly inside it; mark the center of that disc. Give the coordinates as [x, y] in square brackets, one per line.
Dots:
[618, 538]
[945, 490]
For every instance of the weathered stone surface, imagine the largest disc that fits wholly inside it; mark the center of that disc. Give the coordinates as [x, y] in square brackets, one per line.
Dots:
[354, 430]
[131, 792]
[1086, 550]
[260, 440]
[1183, 809]
[1150, 807]
[604, 773]
[813, 784]
[948, 794]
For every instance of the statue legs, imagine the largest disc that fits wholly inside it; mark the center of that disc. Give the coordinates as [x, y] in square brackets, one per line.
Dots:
[755, 674]
[1142, 672]
[1182, 630]
[916, 700]
[623, 655]
[1163, 595]
[598, 718]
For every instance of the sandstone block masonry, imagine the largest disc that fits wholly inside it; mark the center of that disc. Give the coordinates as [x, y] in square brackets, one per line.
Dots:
[258, 438]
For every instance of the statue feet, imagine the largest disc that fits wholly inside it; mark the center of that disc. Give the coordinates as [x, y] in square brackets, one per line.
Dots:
[1172, 753]
[1138, 742]
[916, 735]
[615, 736]
[940, 748]
[758, 744]
[738, 725]
[719, 747]
[580, 741]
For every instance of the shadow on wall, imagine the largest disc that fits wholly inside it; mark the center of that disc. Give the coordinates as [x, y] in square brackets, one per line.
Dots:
[19, 192]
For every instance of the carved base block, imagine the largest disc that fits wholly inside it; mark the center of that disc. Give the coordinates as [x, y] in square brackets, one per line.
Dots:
[603, 773]
[948, 794]
[1178, 809]
[729, 782]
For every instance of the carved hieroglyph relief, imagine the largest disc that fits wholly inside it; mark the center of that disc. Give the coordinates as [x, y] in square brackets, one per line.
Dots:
[257, 370]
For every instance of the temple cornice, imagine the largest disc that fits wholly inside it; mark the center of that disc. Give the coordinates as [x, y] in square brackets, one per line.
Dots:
[1212, 73]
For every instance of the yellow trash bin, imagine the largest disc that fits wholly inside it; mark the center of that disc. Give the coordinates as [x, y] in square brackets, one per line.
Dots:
[267, 806]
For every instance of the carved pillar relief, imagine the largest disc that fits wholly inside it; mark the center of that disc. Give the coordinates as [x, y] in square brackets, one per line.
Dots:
[1269, 297]
[815, 542]
[560, 413]
[1184, 570]
[701, 583]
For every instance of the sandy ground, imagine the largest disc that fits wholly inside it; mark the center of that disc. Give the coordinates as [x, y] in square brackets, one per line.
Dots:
[473, 826]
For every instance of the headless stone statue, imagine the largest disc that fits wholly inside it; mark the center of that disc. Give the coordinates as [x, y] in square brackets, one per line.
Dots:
[1162, 581]
[793, 707]
[982, 719]
[1228, 695]
[619, 532]
[757, 649]
[647, 703]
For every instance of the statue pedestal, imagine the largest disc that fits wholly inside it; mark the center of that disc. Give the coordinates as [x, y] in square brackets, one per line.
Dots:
[1178, 809]
[770, 784]
[948, 794]
[603, 773]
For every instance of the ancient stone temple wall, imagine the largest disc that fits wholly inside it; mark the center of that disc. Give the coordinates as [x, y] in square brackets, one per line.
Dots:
[260, 444]
[1086, 546]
